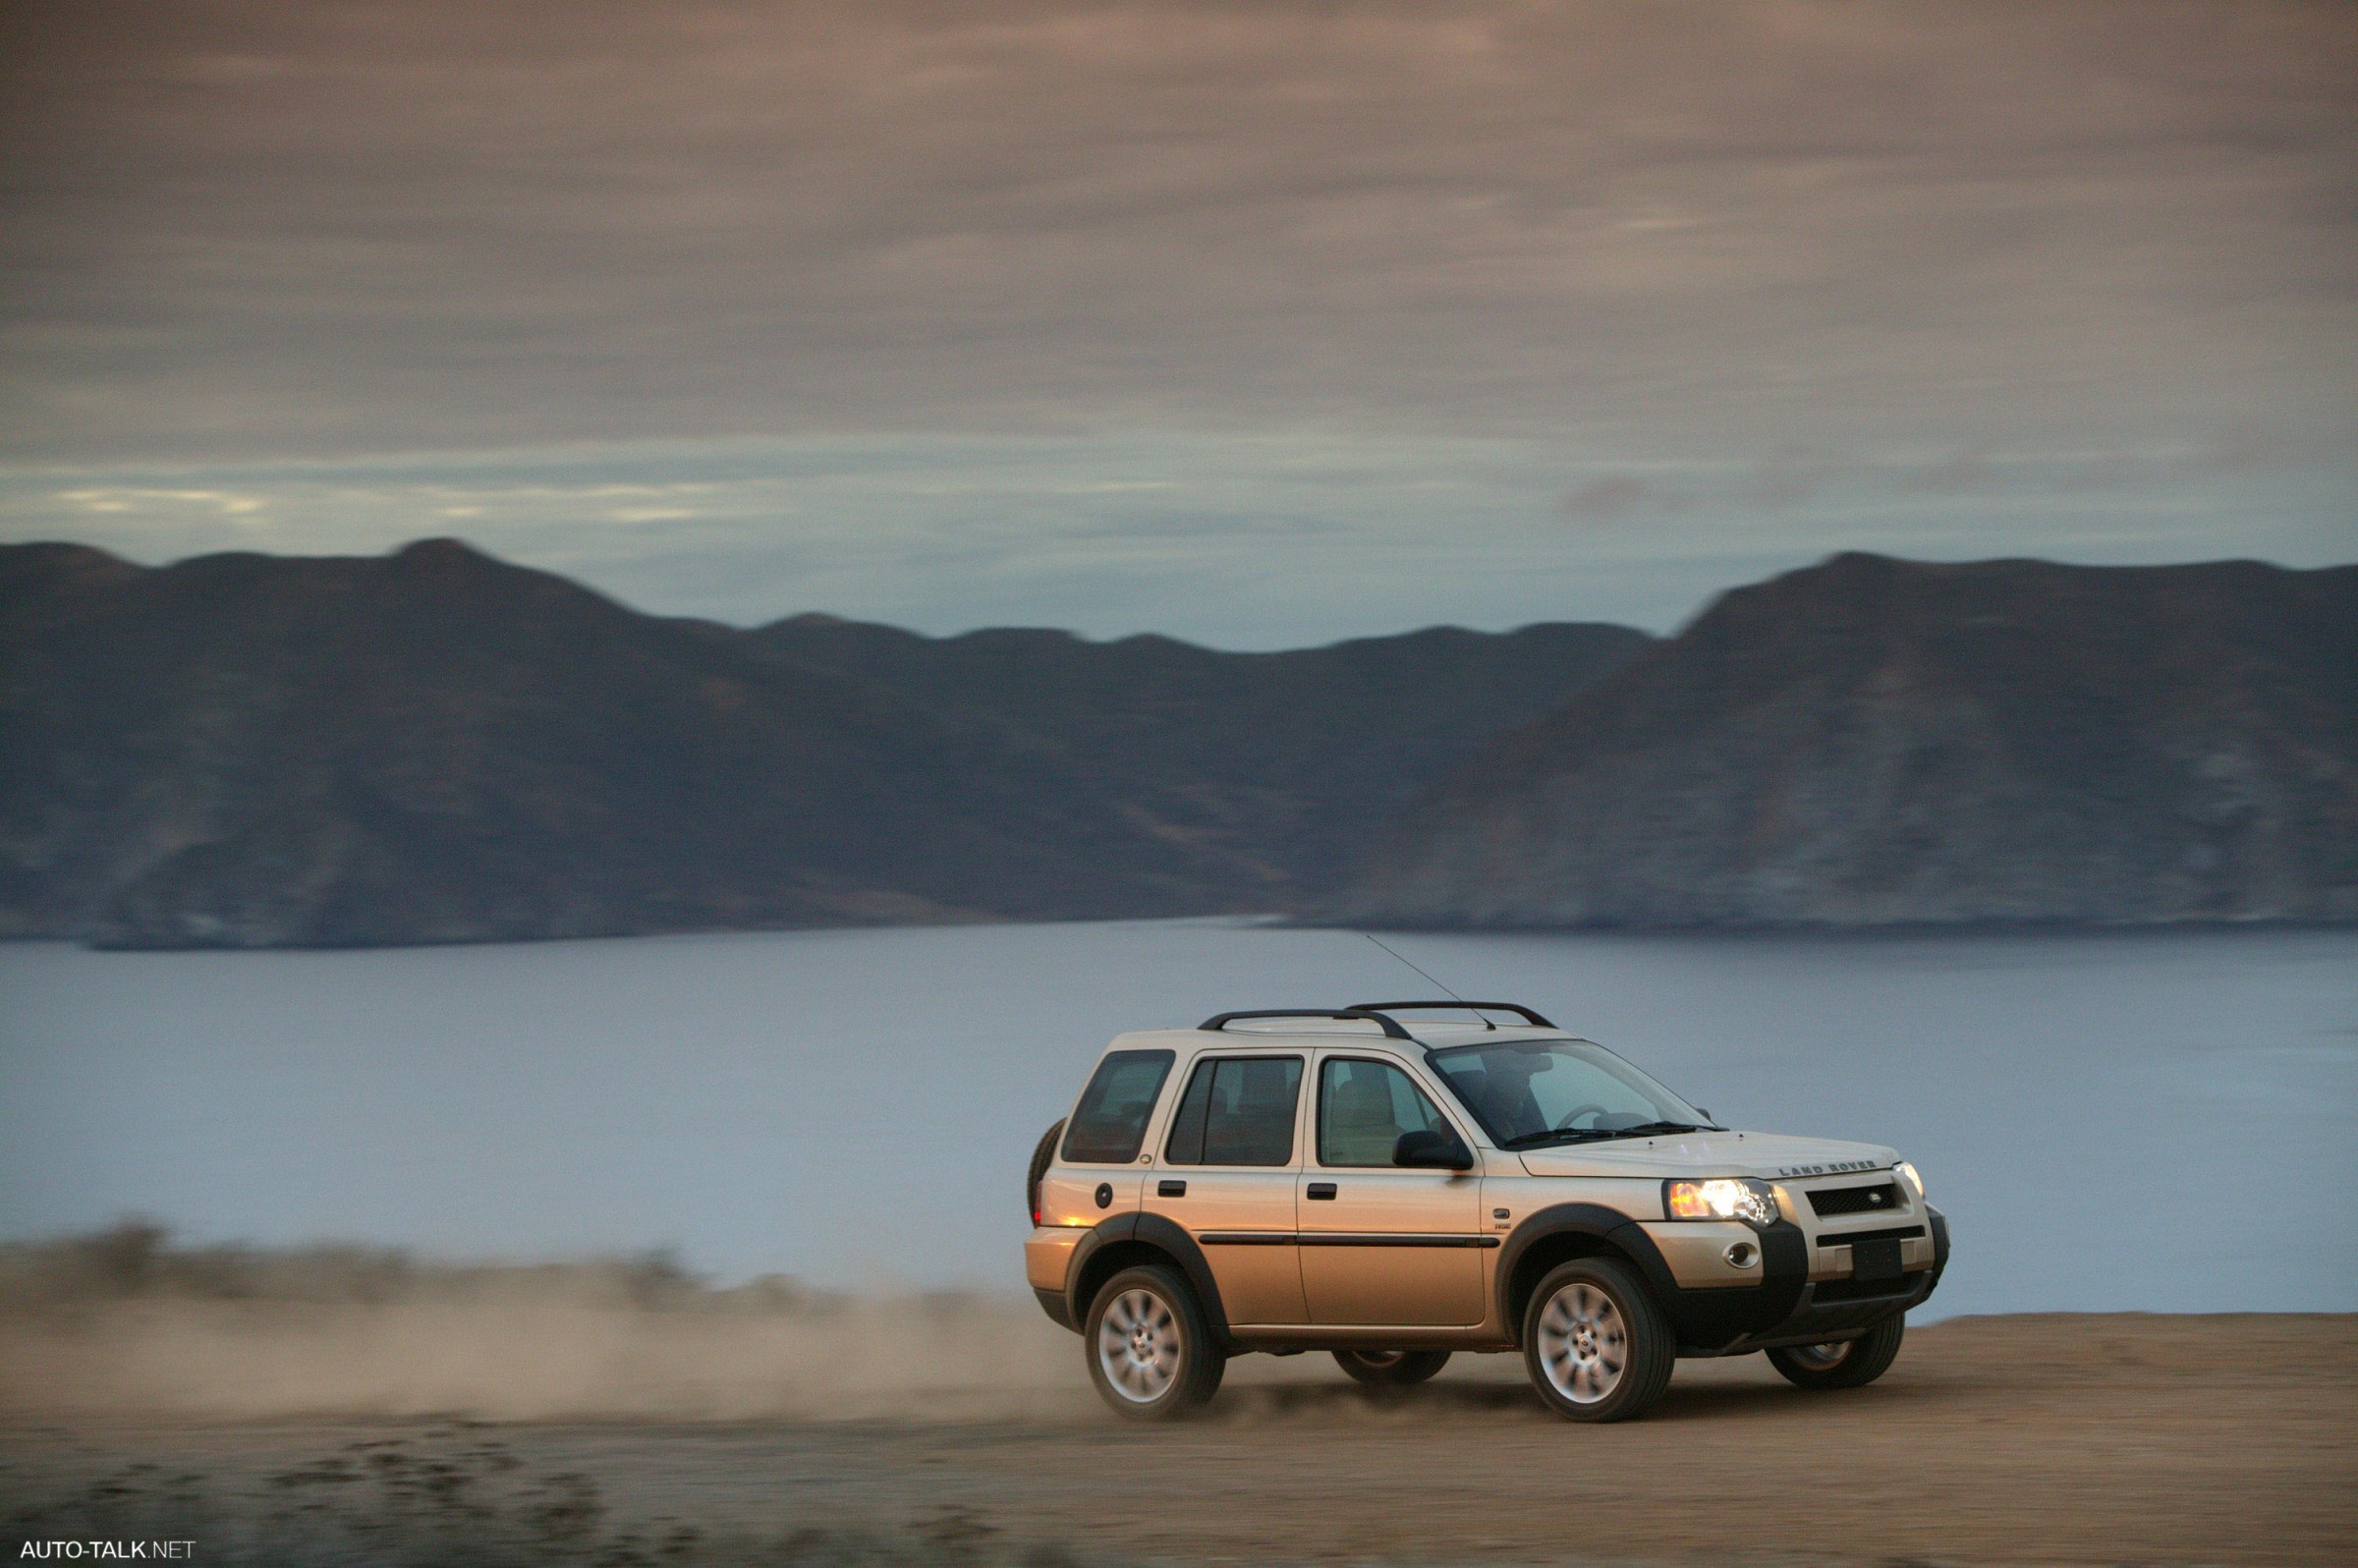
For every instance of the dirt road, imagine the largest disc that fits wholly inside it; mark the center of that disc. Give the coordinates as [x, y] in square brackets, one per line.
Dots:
[2051, 1440]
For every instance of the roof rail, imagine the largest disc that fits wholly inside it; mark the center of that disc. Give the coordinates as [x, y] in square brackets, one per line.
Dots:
[1455, 1005]
[1220, 1021]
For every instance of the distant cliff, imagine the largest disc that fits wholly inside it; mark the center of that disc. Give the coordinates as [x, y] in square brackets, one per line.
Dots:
[435, 746]
[1288, 763]
[1873, 742]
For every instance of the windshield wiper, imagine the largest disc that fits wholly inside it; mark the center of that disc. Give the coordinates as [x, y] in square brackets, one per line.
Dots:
[1592, 1134]
[1560, 1134]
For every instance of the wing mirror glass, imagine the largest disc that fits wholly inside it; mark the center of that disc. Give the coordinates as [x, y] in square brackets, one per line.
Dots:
[1427, 1149]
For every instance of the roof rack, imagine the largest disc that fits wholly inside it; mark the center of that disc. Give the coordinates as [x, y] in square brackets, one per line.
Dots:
[1220, 1021]
[1454, 1005]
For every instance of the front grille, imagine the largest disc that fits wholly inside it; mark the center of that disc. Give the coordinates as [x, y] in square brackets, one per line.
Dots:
[1881, 1198]
[1850, 1237]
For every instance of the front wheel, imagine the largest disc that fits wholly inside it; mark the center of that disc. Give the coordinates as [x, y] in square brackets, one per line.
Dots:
[1150, 1347]
[1595, 1342]
[1391, 1368]
[1845, 1362]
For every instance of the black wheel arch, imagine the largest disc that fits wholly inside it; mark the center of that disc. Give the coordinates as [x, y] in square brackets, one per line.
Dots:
[1126, 1240]
[1564, 1231]
[1705, 1319]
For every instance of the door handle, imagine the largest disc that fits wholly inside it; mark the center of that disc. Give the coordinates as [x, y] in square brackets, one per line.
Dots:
[1170, 1189]
[1322, 1189]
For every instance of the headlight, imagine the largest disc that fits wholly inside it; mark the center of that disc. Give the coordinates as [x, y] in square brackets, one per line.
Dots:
[1907, 1173]
[1722, 1197]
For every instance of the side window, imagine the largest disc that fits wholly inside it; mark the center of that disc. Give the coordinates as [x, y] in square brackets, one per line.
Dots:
[1363, 1109]
[1238, 1110]
[1110, 1122]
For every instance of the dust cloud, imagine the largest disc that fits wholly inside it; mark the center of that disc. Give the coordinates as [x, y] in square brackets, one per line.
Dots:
[122, 1324]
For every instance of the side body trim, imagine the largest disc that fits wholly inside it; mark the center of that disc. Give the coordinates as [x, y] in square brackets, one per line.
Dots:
[1351, 1238]
[1341, 1237]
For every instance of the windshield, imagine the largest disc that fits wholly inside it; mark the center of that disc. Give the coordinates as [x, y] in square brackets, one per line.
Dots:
[1526, 1093]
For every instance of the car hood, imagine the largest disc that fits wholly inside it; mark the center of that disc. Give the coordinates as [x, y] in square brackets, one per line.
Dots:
[1769, 1155]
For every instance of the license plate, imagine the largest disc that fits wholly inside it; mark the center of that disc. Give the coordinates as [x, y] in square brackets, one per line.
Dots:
[1874, 1259]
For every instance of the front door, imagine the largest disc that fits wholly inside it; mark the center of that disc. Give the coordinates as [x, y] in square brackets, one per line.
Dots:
[1226, 1175]
[1381, 1245]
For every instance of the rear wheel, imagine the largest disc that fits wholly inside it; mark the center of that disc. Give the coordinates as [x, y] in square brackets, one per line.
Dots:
[1148, 1346]
[1391, 1368]
[1595, 1342]
[1844, 1363]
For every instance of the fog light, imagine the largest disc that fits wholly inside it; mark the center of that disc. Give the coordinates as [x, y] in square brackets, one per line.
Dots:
[1741, 1255]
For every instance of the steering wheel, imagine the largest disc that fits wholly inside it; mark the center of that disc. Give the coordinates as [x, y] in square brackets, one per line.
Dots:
[1575, 1114]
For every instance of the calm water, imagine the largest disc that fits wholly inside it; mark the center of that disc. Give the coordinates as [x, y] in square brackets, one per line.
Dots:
[2158, 1122]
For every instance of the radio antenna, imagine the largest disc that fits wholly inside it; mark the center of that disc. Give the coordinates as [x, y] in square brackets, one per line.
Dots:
[1445, 990]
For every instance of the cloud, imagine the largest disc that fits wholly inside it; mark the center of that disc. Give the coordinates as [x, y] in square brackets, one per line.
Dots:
[1611, 496]
[1256, 322]
[242, 228]
[1254, 540]
[118, 498]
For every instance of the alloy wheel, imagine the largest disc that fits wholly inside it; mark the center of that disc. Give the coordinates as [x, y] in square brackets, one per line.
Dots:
[1584, 1345]
[1139, 1346]
[1822, 1358]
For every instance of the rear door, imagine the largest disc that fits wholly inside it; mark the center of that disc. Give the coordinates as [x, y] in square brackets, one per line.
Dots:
[1381, 1245]
[1226, 1174]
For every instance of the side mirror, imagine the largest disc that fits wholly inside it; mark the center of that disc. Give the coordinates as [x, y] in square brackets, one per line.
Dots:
[1427, 1149]
[1705, 1112]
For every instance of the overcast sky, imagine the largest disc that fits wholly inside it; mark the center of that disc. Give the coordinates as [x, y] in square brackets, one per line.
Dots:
[1261, 323]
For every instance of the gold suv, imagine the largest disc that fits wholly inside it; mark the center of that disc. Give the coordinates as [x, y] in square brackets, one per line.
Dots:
[1326, 1179]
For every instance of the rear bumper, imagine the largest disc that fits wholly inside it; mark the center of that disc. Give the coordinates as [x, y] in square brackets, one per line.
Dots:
[1048, 1267]
[1788, 1308]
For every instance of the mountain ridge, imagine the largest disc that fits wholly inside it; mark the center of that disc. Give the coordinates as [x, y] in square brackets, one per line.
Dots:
[243, 749]
[433, 745]
[1875, 742]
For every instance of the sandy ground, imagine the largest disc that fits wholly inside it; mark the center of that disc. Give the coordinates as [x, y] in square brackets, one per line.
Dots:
[2050, 1439]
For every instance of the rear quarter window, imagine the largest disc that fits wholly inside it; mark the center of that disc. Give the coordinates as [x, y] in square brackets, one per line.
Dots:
[1110, 1125]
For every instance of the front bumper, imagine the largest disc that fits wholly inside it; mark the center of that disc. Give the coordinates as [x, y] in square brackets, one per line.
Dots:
[1789, 1307]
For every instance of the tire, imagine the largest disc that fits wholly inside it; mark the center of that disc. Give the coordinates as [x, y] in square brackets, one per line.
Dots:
[1391, 1368]
[1596, 1344]
[1148, 1346]
[1845, 1362]
[1043, 1155]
